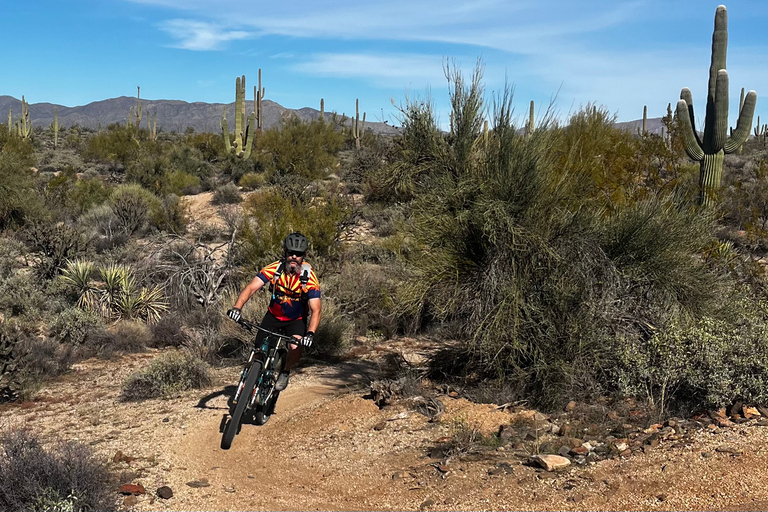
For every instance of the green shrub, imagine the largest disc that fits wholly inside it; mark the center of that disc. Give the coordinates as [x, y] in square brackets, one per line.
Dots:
[19, 201]
[66, 476]
[74, 326]
[274, 216]
[333, 334]
[227, 194]
[182, 184]
[167, 375]
[708, 363]
[540, 279]
[88, 193]
[148, 171]
[252, 181]
[170, 215]
[167, 332]
[300, 149]
[132, 204]
[124, 337]
[117, 144]
[20, 295]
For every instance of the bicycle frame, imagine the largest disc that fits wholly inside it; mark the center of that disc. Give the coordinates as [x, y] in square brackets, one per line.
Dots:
[267, 353]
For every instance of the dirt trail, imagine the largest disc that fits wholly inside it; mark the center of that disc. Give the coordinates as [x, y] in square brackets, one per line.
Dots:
[330, 448]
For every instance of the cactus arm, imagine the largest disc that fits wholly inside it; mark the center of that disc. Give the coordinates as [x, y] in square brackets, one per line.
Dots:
[743, 124]
[686, 95]
[719, 133]
[690, 140]
[250, 133]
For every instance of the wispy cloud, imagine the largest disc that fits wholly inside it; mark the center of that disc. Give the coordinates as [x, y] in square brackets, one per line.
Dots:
[199, 35]
[523, 26]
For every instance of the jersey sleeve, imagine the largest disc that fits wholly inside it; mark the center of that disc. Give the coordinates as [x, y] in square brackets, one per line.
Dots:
[267, 273]
[313, 286]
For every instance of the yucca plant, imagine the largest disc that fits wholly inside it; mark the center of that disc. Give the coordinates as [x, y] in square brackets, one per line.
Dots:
[77, 276]
[114, 277]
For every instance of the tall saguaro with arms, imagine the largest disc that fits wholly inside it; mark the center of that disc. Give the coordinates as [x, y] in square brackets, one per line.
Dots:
[710, 149]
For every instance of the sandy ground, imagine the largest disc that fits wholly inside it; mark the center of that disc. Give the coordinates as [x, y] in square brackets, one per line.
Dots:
[328, 447]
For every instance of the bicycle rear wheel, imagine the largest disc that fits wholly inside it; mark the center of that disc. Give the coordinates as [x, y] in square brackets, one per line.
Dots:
[264, 412]
[233, 425]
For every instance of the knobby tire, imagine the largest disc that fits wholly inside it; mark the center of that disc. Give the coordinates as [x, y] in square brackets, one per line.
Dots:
[230, 430]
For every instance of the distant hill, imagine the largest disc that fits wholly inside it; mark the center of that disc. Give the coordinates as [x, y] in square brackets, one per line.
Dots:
[653, 125]
[172, 115]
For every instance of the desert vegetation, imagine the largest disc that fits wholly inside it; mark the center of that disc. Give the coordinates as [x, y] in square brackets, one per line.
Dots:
[563, 260]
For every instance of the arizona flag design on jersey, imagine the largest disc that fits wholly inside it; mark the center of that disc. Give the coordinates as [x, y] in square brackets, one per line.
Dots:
[286, 299]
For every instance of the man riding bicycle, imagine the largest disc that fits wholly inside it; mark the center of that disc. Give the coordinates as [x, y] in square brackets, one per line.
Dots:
[295, 301]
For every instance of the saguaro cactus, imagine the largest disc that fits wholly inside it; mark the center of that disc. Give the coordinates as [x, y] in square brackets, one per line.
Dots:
[258, 95]
[710, 149]
[244, 127]
[55, 128]
[529, 126]
[24, 124]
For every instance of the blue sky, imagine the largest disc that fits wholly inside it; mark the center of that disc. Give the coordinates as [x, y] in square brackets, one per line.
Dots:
[619, 54]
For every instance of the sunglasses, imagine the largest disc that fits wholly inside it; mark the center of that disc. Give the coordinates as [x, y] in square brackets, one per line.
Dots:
[298, 254]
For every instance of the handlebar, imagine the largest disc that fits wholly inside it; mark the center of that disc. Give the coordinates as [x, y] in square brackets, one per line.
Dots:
[250, 326]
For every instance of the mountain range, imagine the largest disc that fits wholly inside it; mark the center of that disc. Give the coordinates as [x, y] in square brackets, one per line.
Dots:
[177, 115]
[172, 115]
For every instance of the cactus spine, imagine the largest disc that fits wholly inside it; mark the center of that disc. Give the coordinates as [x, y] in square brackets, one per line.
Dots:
[710, 149]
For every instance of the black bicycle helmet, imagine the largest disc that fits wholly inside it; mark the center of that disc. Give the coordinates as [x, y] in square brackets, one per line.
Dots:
[296, 242]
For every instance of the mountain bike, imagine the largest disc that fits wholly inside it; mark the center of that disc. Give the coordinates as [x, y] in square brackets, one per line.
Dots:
[256, 394]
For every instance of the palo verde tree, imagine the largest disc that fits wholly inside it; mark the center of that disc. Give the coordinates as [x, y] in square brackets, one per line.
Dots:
[710, 149]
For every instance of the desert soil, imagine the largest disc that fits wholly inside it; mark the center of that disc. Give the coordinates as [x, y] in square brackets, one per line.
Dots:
[328, 447]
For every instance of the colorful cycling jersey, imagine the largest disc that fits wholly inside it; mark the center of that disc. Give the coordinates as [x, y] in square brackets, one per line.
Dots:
[286, 301]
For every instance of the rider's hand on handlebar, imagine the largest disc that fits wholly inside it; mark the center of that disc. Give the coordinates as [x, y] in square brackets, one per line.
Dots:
[307, 340]
[235, 314]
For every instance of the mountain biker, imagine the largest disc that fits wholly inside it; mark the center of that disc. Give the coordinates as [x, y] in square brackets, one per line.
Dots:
[295, 305]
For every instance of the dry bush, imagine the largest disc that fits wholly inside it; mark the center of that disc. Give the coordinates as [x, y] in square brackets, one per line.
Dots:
[166, 376]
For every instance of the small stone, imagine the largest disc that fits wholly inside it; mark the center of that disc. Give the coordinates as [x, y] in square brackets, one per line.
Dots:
[495, 471]
[164, 492]
[626, 453]
[196, 484]
[763, 422]
[750, 411]
[442, 468]
[551, 462]
[566, 430]
[540, 417]
[166, 420]
[132, 489]
[652, 441]
[399, 475]
[706, 455]
[555, 429]
[230, 489]
[620, 447]
[729, 449]
[507, 467]
[613, 416]
[723, 422]
[121, 457]
[661, 497]
[380, 426]
[506, 432]
[564, 450]
[580, 450]
[571, 406]
[130, 501]
[426, 504]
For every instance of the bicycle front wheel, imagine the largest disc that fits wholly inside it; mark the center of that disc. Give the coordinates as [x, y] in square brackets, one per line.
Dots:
[233, 425]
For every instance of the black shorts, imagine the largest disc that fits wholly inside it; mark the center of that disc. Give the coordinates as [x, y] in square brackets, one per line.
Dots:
[287, 327]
